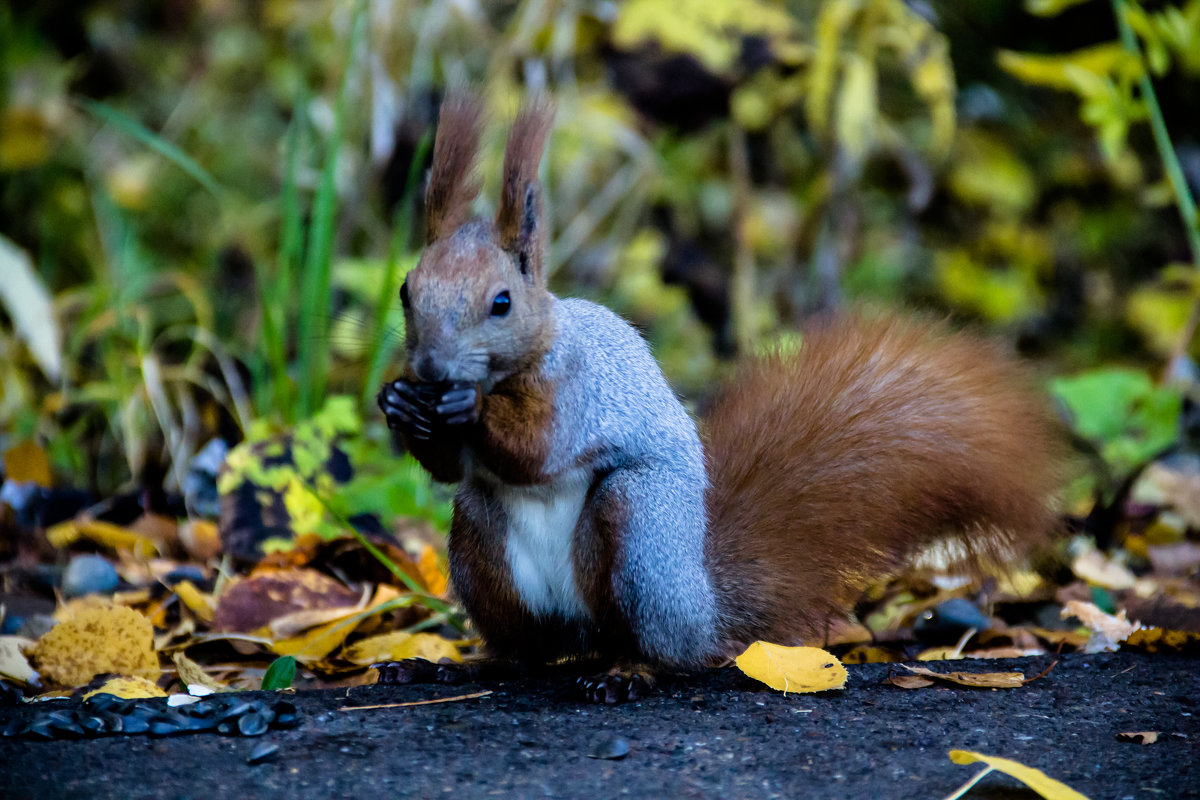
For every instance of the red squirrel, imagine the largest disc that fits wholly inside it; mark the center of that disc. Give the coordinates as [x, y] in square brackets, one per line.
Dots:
[592, 518]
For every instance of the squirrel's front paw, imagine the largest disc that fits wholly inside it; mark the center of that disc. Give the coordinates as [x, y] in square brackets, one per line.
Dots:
[458, 405]
[405, 409]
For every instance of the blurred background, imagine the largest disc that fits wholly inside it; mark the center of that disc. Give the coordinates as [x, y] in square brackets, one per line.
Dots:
[207, 208]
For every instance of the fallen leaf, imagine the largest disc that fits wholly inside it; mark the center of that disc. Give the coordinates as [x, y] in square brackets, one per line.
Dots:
[249, 604]
[316, 643]
[102, 533]
[27, 462]
[192, 674]
[431, 572]
[1035, 779]
[984, 680]
[909, 681]
[1159, 640]
[870, 654]
[198, 602]
[95, 640]
[1107, 631]
[399, 645]
[13, 664]
[1099, 570]
[1138, 737]
[280, 675]
[128, 688]
[200, 538]
[792, 669]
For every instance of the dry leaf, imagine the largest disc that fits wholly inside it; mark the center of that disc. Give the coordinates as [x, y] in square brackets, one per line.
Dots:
[96, 640]
[128, 688]
[13, 664]
[398, 645]
[1107, 631]
[1138, 737]
[102, 533]
[1035, 779]
[192, 674]
[200, 538]
[1099, 570]
[316, 643]
[984, 680]
[909, 681]
[871, 654]
[1161, 640]
[792, 669]
[248, 604]
[198, 602]
[28, 462]
[431, 571]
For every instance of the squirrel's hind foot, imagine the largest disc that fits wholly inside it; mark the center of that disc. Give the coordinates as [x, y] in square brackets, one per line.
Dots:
[621, 684]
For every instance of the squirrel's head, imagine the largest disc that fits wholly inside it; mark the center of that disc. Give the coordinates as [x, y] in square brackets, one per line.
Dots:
[476, 306]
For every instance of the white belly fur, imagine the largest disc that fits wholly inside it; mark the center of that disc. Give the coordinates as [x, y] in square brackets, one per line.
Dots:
[541, 526]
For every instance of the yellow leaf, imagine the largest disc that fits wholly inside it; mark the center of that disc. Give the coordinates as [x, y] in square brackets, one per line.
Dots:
[792, 669]
[1055, 71]
[128, 688]
[398, 645]
[103, 533]
[27, 462]
[316, 643]
[1033, 778]
[94, 640]
[198, 602]
[1099, 570]
[857, 109]
[13, 664]
[192, 674]
[431, 571]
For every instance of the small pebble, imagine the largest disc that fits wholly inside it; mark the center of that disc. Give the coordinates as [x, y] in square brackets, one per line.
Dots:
[610, 747]
[261, 752]
[89, 574]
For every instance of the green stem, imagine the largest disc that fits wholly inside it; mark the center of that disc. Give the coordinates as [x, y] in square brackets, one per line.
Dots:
[1162, 139]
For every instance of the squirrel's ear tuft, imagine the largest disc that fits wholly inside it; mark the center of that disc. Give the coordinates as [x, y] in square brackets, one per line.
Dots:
[453, 184]
[518, 219]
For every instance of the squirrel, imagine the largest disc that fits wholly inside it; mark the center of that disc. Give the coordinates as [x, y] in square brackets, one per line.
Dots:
[592, 518]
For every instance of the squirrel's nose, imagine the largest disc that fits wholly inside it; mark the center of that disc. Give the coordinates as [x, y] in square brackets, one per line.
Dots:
[428, 369]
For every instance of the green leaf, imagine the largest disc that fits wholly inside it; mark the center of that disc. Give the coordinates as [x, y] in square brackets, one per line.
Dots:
[280, 674]
[1122, 411]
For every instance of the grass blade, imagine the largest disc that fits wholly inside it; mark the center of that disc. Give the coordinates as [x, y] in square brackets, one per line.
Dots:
[131, 127]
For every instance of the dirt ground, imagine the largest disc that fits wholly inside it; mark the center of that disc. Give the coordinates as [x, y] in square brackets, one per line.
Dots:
[714, 735]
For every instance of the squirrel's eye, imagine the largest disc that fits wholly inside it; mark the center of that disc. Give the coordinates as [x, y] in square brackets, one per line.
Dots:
[404, 294]
[501, 304]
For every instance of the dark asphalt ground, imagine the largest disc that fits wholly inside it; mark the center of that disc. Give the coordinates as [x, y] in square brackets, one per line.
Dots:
[716, 735]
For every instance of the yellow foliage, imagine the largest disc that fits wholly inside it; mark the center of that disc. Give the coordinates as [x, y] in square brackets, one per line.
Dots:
[709, 30]
[398, 645]
[94, 640]
[792, 669]
[1033, 778]
[1061, 71]
[128, 688]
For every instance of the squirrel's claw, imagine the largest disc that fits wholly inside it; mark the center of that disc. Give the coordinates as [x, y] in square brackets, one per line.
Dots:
[458, 406]
[402, 408]
[617, 686]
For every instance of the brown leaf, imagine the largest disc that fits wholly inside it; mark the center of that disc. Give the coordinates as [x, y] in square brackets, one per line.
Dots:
[909, 681]
[251, 603]
[984, 680]
[1138, 737]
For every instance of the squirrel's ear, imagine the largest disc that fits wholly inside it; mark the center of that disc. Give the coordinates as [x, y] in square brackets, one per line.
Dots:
[452, 183]
[518, 219]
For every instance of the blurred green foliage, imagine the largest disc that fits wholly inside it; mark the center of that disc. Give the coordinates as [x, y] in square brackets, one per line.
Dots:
[221, 199]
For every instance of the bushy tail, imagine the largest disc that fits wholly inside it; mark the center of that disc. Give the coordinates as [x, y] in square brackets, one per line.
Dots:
[833, 466]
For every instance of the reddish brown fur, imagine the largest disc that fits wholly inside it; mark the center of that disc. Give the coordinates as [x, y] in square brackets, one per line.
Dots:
[830, 467]
[453, 185]
[522, 153]
[513, 436]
